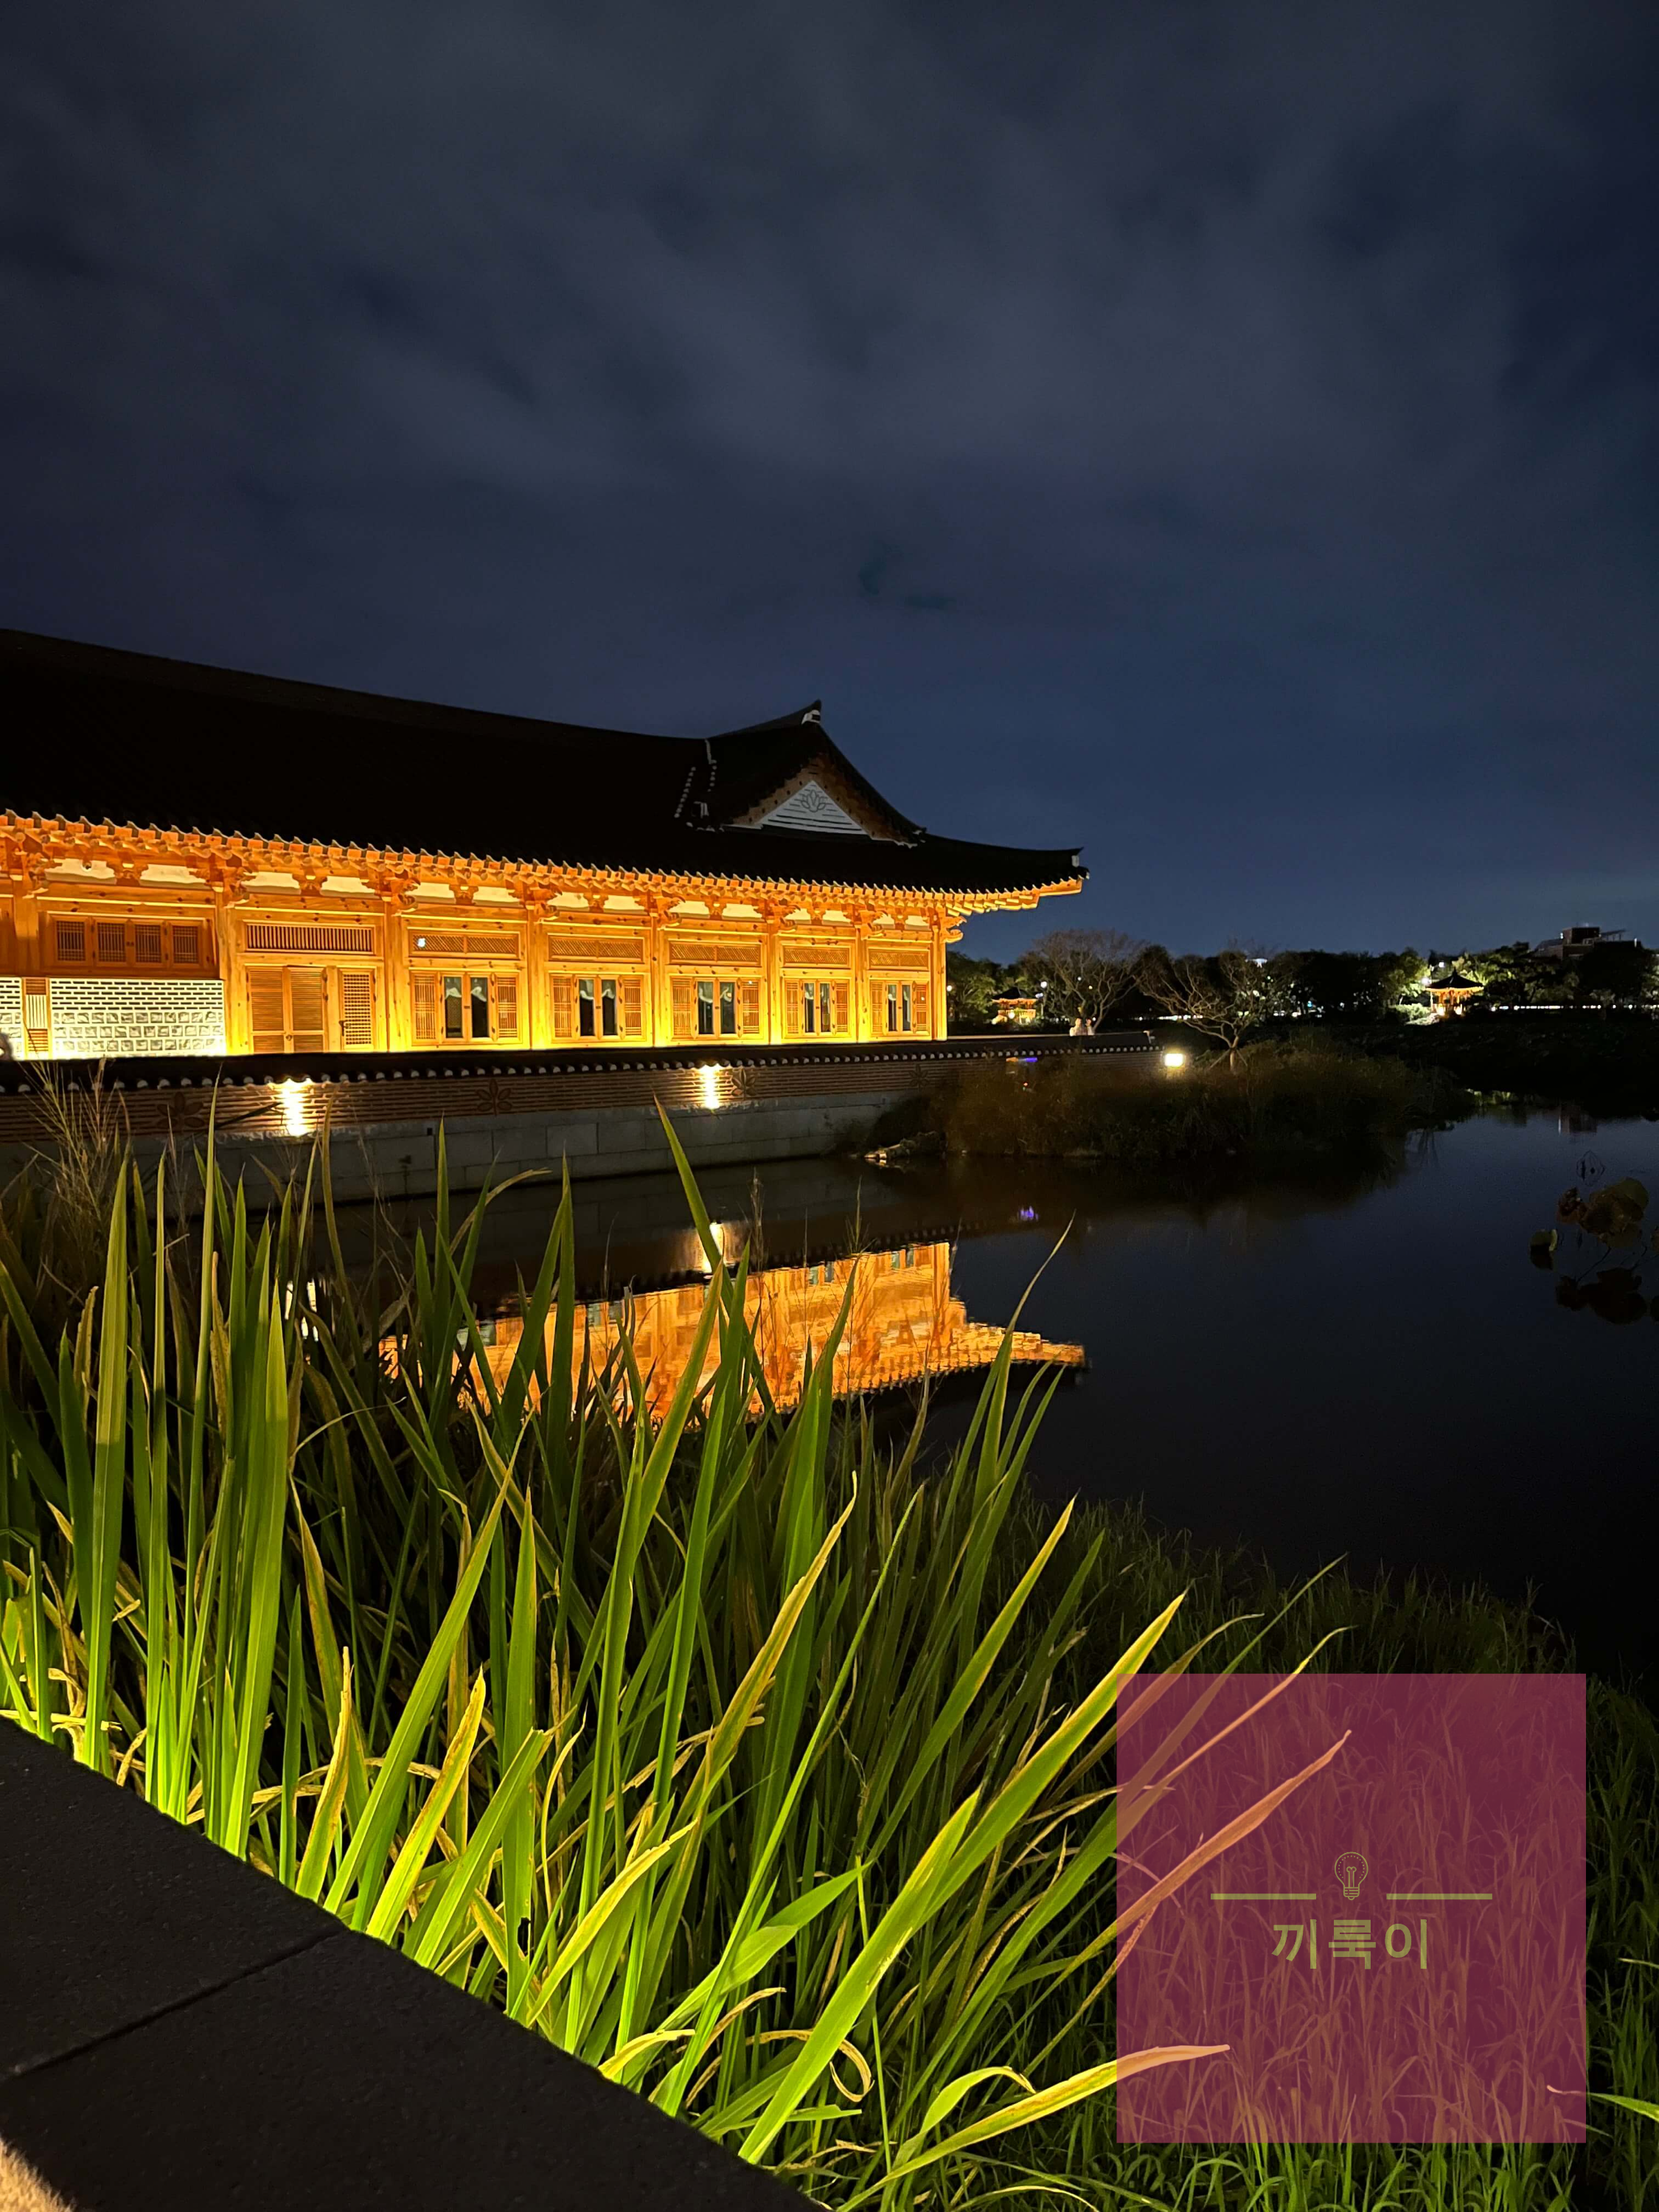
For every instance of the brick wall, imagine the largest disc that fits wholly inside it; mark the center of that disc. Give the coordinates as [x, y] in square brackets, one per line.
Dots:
[11, 1015]
[105, 1017]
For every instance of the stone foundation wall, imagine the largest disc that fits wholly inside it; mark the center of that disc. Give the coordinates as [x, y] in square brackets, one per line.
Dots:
[399, 1159]
[117, 1017]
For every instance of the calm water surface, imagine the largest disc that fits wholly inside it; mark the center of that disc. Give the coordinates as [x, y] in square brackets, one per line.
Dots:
[1358, 1362]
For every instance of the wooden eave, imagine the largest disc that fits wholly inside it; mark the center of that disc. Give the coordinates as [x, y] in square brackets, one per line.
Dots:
[35, 832]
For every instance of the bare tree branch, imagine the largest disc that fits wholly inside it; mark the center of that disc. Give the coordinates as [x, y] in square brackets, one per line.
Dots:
[1223, 997]
[1087, 972]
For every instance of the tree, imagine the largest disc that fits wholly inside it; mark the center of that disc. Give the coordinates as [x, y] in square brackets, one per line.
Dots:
[1515, 975]
[1612, 974]
[975, 986]
[1087, 972]
[1224, 997]
[1349, 986]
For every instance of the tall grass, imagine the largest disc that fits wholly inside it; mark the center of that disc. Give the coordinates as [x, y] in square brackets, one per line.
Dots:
[720, 1751]
[1267, 1099]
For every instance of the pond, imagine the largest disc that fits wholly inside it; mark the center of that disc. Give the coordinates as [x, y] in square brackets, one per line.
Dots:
[1354, 1361]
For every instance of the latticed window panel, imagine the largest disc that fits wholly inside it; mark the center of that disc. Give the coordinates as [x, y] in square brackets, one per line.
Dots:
[308, 936]
[598, 1006]
[715, 1006]
[118, 943]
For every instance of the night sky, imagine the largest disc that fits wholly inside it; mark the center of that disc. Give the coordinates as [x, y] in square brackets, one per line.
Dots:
[1222, 436]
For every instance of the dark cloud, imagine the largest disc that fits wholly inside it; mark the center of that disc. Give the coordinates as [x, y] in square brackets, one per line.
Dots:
[1222, 436]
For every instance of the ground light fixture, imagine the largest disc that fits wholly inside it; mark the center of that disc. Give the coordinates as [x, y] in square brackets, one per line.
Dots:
[1175, 1060]
[297, 1119]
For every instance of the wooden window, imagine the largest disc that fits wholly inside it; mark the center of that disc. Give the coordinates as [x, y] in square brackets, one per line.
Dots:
[311, 1010]
[126, 944]
[470, 945]
[822, 1008]
[462, 1008]
[308, 936]
[901, 1007]
[716, 1006]
[599, 1006]
[356, 988]
[818, 1005]
[568, 949]
[37, 1013]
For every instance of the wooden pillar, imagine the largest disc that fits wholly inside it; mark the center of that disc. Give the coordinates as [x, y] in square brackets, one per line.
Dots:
[938, 923]
[394, 964]
[773, 1029]
[863, 1013]
[224, 886]
[28, 947]
[659, 1003]
[539, 1019]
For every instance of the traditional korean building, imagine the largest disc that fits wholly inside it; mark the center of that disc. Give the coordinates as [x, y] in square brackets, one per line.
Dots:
[196, 860]
[1454, 993]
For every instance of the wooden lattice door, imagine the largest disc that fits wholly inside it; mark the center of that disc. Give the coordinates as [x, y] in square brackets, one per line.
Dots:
[354, 992]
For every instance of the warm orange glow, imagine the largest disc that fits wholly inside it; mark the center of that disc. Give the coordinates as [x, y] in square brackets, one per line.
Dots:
[904, 1325]
[298, 1120]
[318, 948]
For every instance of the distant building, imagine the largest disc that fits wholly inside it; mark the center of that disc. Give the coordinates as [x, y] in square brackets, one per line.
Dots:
[1577, 939]
[1452, 993]
[1016, 1013]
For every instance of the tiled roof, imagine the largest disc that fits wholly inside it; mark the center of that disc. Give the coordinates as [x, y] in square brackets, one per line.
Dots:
[101, 736]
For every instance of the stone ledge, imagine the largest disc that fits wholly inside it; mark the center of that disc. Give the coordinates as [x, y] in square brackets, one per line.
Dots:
[177, 2031]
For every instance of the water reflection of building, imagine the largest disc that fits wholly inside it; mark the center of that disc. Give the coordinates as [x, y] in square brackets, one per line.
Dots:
[904, 1325]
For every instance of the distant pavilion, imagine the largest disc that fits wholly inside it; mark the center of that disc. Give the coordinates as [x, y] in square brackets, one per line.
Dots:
[1453, 994]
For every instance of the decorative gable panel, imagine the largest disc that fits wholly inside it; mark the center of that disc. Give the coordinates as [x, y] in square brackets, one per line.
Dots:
[809, 807]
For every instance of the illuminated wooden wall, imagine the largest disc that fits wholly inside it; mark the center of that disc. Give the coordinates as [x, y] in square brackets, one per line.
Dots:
[326, 950]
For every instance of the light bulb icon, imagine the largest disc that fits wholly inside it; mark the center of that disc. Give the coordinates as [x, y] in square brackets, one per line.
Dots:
[1351, 1871]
